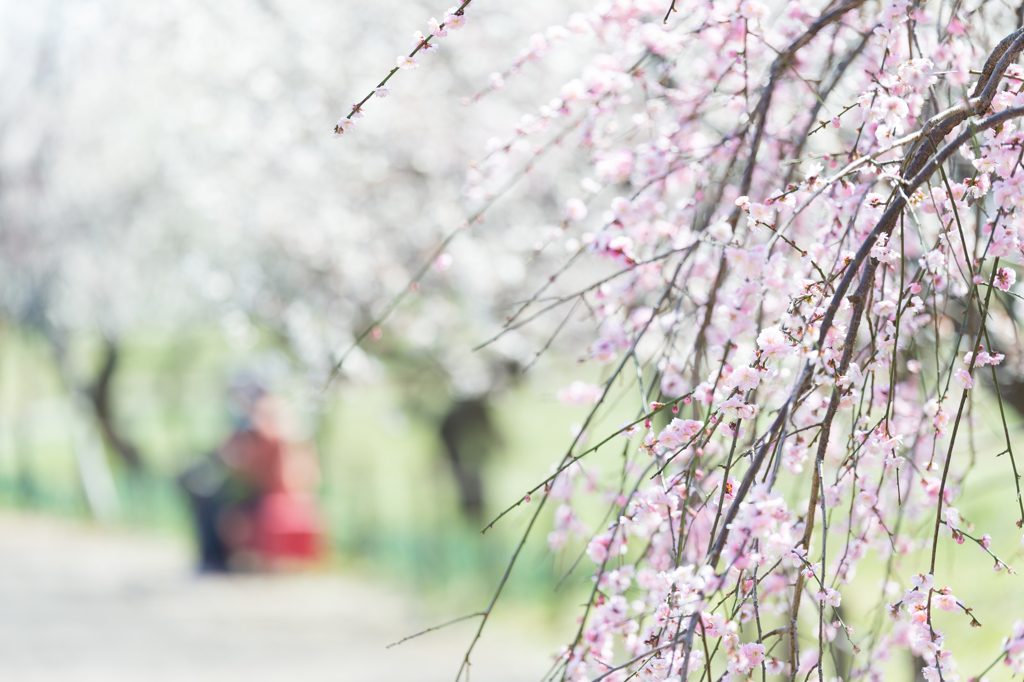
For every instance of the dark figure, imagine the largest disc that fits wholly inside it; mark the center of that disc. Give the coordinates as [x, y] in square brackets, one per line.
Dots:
[469, 436]
[213, 491]
[205, 484]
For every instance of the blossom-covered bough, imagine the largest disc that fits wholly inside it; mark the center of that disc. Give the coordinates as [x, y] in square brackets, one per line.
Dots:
[805, 346]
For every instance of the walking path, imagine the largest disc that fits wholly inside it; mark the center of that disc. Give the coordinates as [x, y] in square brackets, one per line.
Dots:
[79, 604]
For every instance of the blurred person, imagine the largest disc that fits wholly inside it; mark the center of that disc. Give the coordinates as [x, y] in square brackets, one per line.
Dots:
[252, 499]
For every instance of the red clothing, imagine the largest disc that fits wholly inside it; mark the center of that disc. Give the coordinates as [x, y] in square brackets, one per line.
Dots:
[287, 527]
[259, 459]
[284, 522]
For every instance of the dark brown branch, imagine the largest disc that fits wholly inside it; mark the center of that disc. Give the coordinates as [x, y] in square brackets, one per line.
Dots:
[780, 64]
[919, 169]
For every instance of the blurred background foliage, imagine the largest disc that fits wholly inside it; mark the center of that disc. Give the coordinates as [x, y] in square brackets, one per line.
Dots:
[173, 211]
[389, 495]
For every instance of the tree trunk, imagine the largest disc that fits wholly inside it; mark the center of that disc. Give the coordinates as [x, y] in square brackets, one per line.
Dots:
[99, 395]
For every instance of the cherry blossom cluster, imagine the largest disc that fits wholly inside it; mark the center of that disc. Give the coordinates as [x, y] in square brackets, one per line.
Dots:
[792, 236]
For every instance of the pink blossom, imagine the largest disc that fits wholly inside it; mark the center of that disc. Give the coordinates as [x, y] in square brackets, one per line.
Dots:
[679, 431]
[751, 9]
[715, 624]
[944, 600]
[673, 384]
[762, 214]
[746, 658]
[735, 408]
[443, 262]
[808, 659]
[597, 549]
[436, 29]
[881, 251]
[580, 393]
[454, 21]
[744, 378]
[922, 582]
[963, 379]
[916, 73]
[934, 261]
[773, 343]
[343, 126]
[884, 308]
[575, 210]
[1005, 278]
[614, 167]
[829, 596]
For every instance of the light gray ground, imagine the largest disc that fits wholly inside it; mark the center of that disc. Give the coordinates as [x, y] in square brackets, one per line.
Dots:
[80, 604]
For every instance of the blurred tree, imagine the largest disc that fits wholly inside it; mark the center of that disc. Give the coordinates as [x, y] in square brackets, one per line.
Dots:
[164, 169]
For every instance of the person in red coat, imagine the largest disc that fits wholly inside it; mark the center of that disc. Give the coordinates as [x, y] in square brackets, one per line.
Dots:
[276, 519]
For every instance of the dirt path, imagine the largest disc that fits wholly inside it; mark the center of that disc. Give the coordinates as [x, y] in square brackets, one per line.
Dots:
[79, 604]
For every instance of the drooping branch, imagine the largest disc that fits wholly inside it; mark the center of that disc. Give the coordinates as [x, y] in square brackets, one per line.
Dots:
[919, 169]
